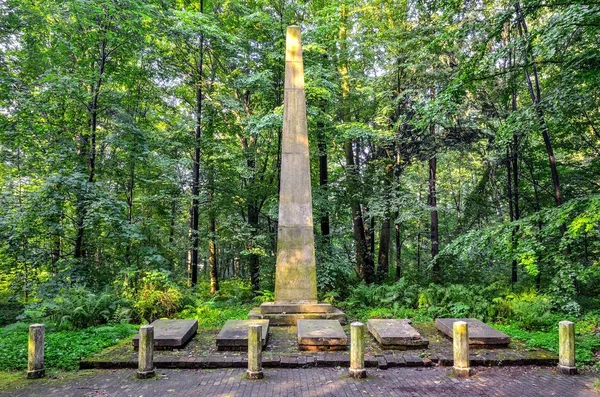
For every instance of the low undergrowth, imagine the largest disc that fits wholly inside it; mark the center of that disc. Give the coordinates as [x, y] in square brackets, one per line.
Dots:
[63, 348]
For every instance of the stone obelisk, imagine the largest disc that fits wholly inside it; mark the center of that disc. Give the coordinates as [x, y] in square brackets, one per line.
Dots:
[295, 276]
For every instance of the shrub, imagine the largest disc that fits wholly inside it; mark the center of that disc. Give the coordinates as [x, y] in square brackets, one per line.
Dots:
[9, 312]
[77, 307]
[456, 301]
[152, 295]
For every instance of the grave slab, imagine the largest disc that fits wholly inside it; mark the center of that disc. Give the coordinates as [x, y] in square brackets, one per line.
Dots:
[234, 334]
[170, 334]
[321, 335]
[396, 334]
[480, 334]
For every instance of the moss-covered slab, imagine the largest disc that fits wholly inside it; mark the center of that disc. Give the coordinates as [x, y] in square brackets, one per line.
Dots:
[171, 334]
[396, 334]
[321, 335]
[479, 332]
[234, 334]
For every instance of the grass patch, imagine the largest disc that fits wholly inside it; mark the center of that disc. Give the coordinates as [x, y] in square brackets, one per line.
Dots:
[215, 313]
[586, 343]
[63, 349]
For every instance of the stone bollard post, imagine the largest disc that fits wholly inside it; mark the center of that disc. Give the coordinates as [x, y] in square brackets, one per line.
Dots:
[146, 352]
[357, 351]
[460, 340]
[255, 370]
[566, 348]
[35, 356]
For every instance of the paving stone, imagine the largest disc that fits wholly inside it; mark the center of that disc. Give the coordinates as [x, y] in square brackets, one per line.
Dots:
[271, 362]
[479, 332]
[333, 360]
[396, 334]
[170, 334]
[321, 335]
[234, 334]
[391, 360]
[312, 382]
[371, 362]
[413, 360]
[382, 362]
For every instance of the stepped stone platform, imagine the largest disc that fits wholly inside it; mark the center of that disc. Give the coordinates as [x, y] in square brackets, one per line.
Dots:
[315, 335]
[281, 351]
[234, 334]
[480, 334]
[170, 334]
[396, 334]
[288, 313]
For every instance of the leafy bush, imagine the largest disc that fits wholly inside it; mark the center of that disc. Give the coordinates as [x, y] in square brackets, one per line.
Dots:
[152, 295]
[9, 312]
[213, 313]
[401, 293]
[77, 308]
[63, 349]
[458, 301]
[528, 309]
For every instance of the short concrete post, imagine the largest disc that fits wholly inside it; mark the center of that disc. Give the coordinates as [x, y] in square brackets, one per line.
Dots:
[35, 356]
[357, 350]
[146, 352]
[566, 348]
[460, 342]
[255, 370]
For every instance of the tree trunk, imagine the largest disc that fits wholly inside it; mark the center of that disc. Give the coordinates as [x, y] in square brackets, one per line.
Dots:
[212, 237]
[196, 164]
[437, 276]
[254, 260]
[398, 251]
[323, 178]
[383, 260]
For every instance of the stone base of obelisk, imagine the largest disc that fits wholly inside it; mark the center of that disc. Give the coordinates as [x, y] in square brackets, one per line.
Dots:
[288, 313]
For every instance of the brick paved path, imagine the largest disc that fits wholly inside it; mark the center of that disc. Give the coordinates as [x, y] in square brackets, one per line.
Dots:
[507, 381]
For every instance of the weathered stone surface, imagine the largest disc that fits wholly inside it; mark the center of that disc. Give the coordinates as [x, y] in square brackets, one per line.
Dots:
[566, 348]
[396, 334]
[295, 277]
[276, 319]
[357, 351]
[35, 354]
[234, 334]
[254, 335]
[171, 334]
[289, 307]
[479, 332]
[146, 352]
[460, 346]
[321, 335]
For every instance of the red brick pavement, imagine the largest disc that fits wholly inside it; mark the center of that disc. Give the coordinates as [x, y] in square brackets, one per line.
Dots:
[436, 381]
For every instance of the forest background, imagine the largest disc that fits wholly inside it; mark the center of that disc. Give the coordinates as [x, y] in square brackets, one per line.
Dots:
[454, 149]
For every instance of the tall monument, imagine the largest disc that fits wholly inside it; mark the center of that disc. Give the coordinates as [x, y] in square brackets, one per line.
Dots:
[296, 275]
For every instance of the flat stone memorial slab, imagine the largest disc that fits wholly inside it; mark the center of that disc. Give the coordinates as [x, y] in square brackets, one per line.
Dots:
[396, 334]
[234, 334]
[321, 335]
[479, 332]
[170, 334]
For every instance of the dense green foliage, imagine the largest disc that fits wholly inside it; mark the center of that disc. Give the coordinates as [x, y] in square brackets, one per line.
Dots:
[63, 349]
[455, 152]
